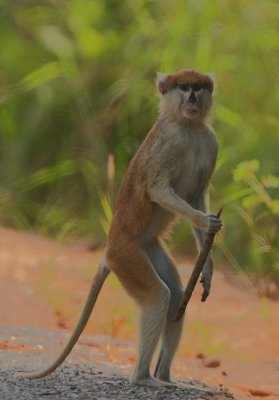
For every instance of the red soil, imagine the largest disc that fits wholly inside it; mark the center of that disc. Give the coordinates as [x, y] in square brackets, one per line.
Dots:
[232, 339]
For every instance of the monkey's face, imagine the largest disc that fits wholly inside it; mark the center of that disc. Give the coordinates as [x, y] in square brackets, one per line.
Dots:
[186, 94]
[195, 99]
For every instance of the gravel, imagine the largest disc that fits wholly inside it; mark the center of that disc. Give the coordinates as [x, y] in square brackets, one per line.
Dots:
[85, 383]
[80, 380]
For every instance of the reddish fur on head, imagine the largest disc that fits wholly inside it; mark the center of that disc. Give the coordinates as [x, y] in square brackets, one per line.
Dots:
[185, 76]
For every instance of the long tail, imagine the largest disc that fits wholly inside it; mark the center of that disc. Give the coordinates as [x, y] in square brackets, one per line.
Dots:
[95, 289]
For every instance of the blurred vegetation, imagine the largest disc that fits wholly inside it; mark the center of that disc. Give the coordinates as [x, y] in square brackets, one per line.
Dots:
[76, 84]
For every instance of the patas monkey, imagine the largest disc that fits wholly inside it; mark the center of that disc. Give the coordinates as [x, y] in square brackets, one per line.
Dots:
[168, 176]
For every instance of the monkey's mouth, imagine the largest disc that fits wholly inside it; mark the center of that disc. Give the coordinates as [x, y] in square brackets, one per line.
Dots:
[191, 110]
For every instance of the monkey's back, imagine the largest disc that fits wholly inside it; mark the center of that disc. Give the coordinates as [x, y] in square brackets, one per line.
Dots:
[133, 208]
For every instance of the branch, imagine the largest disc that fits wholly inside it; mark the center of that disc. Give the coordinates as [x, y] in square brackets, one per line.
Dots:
[196, 272]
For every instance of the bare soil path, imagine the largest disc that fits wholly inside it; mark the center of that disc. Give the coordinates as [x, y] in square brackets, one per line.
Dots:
[231, 341]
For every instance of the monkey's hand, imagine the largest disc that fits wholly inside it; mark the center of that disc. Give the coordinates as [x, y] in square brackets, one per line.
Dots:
[207, 223]
[206, 277]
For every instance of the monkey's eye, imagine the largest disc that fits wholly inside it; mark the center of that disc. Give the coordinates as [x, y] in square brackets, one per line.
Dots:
[184, 87]
[196, 87]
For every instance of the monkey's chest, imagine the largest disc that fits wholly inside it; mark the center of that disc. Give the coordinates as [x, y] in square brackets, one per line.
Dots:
[193, 173]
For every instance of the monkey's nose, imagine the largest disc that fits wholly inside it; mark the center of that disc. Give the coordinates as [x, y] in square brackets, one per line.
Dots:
[192, 98]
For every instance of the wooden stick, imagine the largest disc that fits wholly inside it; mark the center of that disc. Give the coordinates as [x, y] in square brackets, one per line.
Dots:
[196, 272]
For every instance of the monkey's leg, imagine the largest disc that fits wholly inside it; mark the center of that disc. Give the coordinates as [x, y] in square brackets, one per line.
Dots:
[134, 270]
[152, 321]
[172, 332]
[166, 269]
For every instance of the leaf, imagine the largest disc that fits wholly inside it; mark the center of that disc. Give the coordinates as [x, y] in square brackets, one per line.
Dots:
[236, 195]
[42, 75]
[56, 41]
[275, 207]
[270, 181]
[106, 218]
[105, 225]
[48, 175]
[251, 201]
[92, 43]
[245, 170]
[106, 207]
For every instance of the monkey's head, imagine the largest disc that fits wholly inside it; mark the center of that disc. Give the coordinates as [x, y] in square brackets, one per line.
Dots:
[186, 95]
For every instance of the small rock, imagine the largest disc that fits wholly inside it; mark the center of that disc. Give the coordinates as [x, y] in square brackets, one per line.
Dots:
[214, 363]
[200, 356]
[259, 393]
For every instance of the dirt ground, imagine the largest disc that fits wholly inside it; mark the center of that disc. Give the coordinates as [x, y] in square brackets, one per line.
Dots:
[230, 341]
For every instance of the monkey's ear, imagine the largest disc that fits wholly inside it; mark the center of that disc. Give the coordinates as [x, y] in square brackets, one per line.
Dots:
[161, 82]
[212, 76]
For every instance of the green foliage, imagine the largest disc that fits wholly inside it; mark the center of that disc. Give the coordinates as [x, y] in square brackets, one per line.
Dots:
[258, 210]
[76, 83]
[107, 213]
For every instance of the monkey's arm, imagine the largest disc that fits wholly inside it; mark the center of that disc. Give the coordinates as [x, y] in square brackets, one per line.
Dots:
[164, 195]
[199, 204]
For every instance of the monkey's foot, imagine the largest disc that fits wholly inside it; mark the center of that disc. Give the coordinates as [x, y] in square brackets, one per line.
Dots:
[181, 385]
[151, 382]
[188, 386]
